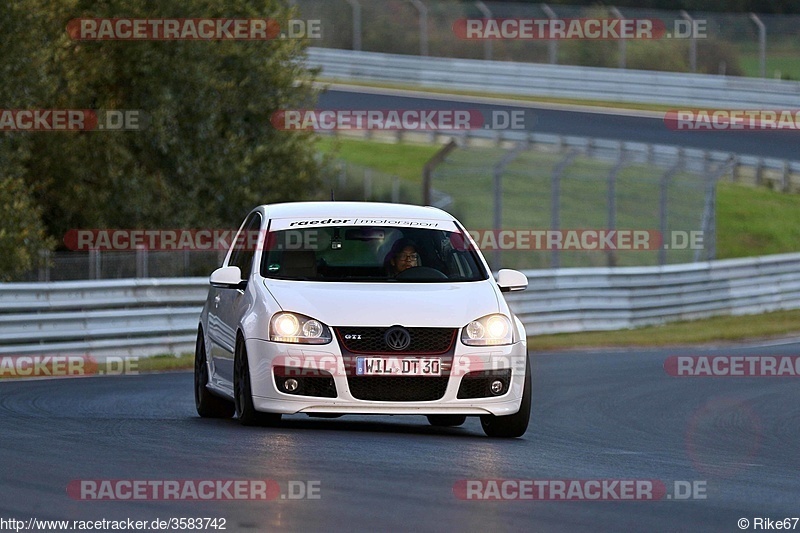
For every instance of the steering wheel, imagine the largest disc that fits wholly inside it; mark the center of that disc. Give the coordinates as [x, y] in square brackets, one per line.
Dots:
[420, 273]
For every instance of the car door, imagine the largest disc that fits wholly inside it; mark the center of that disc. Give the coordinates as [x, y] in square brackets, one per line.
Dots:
[228, 303]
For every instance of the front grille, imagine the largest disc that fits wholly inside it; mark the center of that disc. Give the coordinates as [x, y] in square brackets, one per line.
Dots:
[397, 388]
[371, 340]
[320, 384]
[476, 384]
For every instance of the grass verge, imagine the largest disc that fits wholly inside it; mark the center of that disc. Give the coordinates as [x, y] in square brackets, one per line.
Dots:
[751, 221]
[166, 362]
[709, 330]
[402, 160]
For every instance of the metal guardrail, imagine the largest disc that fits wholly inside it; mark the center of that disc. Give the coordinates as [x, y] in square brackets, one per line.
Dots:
[569, 300]
[150, 316]
[118, 317]
[560, 81]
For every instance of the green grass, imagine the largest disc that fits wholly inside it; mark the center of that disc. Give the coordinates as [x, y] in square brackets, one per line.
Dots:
[755, 221]
[710, 330]
[161, 363]
[787, 65]
[403, 160]
[751, 221]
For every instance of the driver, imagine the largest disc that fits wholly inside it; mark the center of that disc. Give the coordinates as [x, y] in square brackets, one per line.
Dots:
[403, 256]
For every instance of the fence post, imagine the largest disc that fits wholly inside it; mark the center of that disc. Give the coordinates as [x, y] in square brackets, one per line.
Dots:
[94, 264]
[762, 44]
[555, 201]
[423, 26]
[141, 262]
[663, 207]
[623, 44]
[734, 168]
[552, 44]
[367, 184]
[497, 188]
[427, 171]
[692, 41]
[356, 7]
[44, 265]
[612, 201]
[708, 224]
[487, 43]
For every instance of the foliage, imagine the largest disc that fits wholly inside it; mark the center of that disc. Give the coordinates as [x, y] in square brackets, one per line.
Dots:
[206, 153]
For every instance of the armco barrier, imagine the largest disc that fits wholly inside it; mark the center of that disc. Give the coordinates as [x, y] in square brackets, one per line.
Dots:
[149, 316]
[557, 81]
[118, 317]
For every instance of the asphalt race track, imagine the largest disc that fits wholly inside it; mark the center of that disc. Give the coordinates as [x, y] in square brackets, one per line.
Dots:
[596, 415]
[617, 125]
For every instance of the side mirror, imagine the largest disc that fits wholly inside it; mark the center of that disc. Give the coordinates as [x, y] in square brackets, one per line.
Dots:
[511, 280]
[229, 277]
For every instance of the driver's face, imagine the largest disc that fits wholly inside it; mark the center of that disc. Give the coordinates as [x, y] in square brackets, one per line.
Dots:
[405, 259]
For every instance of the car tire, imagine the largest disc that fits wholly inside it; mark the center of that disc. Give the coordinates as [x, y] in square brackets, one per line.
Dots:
[512, 426]
[243, 394]
[444, 421]
[208, 404]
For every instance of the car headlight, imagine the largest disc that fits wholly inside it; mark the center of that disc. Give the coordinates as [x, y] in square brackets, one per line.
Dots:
[296, 328]
[491, 330]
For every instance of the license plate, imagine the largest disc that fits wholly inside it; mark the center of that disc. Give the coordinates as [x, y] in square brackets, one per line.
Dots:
[395, 366]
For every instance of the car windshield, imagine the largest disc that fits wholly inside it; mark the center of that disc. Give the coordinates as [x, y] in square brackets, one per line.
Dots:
[370, 253]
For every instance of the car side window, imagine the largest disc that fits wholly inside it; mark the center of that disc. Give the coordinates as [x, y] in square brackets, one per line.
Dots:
[245, 247]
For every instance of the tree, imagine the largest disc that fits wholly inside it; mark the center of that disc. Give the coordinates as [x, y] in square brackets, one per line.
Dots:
[207, 153]
[22, 233]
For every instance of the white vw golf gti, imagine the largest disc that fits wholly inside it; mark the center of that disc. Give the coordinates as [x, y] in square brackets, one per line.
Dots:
[334, 308]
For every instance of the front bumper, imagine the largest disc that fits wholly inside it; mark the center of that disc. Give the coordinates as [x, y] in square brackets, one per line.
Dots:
[263, 356]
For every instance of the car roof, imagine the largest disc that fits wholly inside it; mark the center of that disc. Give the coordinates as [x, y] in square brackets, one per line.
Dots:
[352, 209]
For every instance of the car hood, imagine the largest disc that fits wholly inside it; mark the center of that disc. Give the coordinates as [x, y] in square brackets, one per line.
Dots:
[386, 304]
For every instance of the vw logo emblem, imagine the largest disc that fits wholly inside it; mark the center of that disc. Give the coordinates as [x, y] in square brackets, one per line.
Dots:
[397, 338]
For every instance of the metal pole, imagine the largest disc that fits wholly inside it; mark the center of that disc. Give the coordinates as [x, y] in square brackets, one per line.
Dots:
[497, 186]
[367, 184]
[663, 206]
[623, 44]
[487, 43]
[430, 165]
[612, 200]
[762, 44]
[356, 6]
[692, 41]
[555, 201]
[44, 265]
[423, 26]
[552, 44]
